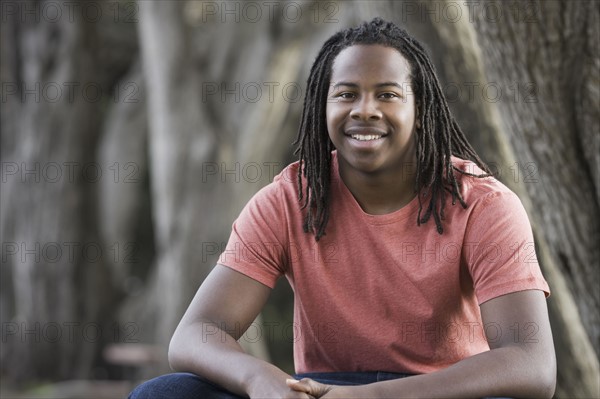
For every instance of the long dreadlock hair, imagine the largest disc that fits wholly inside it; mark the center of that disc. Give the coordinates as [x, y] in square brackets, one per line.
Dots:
[437, 140]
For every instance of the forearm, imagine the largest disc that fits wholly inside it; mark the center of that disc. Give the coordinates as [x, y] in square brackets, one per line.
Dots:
[508, 371]
[204, 349]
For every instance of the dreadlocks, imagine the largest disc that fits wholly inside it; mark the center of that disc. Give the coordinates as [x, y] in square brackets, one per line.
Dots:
[439, 138]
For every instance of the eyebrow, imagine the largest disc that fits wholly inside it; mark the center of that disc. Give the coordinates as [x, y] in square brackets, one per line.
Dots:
[378, 85]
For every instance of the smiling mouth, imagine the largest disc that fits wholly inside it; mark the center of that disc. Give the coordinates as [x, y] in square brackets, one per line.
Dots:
[366, 137]
[365, 133]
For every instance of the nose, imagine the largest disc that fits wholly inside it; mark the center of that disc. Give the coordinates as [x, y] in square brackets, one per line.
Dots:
[366, 109]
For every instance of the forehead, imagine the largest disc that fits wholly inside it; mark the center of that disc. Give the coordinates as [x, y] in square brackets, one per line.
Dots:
[374, 62]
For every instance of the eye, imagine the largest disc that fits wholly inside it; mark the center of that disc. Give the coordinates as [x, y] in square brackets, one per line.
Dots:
[388, 95]
[346, 95]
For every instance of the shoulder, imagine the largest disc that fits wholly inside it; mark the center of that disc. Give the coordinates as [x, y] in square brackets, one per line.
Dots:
[491, 205]
[480, 191]
[282, 191]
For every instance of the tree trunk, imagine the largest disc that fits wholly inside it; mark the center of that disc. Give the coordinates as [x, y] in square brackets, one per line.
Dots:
[551, 128]
[56, 287]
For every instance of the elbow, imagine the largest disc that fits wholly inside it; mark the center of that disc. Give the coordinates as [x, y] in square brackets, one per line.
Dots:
[174, 354]
[548, 380]
[545, 378]
[537, 373]
[547, 388]
[544, 387]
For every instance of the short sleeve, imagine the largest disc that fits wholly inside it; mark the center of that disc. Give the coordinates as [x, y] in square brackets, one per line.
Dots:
[499, 248]
[256, 244]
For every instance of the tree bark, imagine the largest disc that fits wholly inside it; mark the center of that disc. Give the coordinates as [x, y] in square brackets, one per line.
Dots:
[58, 292]
[552, 131]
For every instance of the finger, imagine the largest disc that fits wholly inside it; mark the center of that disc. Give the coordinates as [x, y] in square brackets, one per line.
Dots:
[301, 386]
[309, 386]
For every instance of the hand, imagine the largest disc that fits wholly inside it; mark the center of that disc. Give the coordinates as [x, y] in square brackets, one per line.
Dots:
[317, 390]
[274, 387]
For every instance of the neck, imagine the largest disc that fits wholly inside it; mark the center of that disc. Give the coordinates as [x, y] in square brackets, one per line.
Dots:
[381, 193]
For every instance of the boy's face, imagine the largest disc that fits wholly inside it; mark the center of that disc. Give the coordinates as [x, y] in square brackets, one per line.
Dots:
[371, 110]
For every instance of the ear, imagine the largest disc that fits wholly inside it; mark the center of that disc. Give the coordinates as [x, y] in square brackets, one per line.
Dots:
[418, 115]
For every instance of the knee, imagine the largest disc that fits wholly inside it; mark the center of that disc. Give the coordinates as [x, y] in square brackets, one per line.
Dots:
[179, 386]
[143, 390]
[165, 386]
[137, 393]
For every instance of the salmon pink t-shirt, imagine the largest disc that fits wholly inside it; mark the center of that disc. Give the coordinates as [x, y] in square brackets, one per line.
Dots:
[378, 292]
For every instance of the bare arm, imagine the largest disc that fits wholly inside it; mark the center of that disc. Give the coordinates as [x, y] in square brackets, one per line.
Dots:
[205, 341]
[519, 364]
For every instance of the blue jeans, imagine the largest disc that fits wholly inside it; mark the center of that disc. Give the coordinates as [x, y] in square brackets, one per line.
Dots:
[191, 386]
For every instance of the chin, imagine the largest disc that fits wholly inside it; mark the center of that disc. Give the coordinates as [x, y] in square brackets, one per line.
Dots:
[367, 168]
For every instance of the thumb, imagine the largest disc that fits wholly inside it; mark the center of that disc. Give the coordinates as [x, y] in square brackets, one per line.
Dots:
[308, 386]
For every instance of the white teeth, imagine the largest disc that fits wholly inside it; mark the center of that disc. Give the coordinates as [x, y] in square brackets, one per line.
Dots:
[365, 137]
